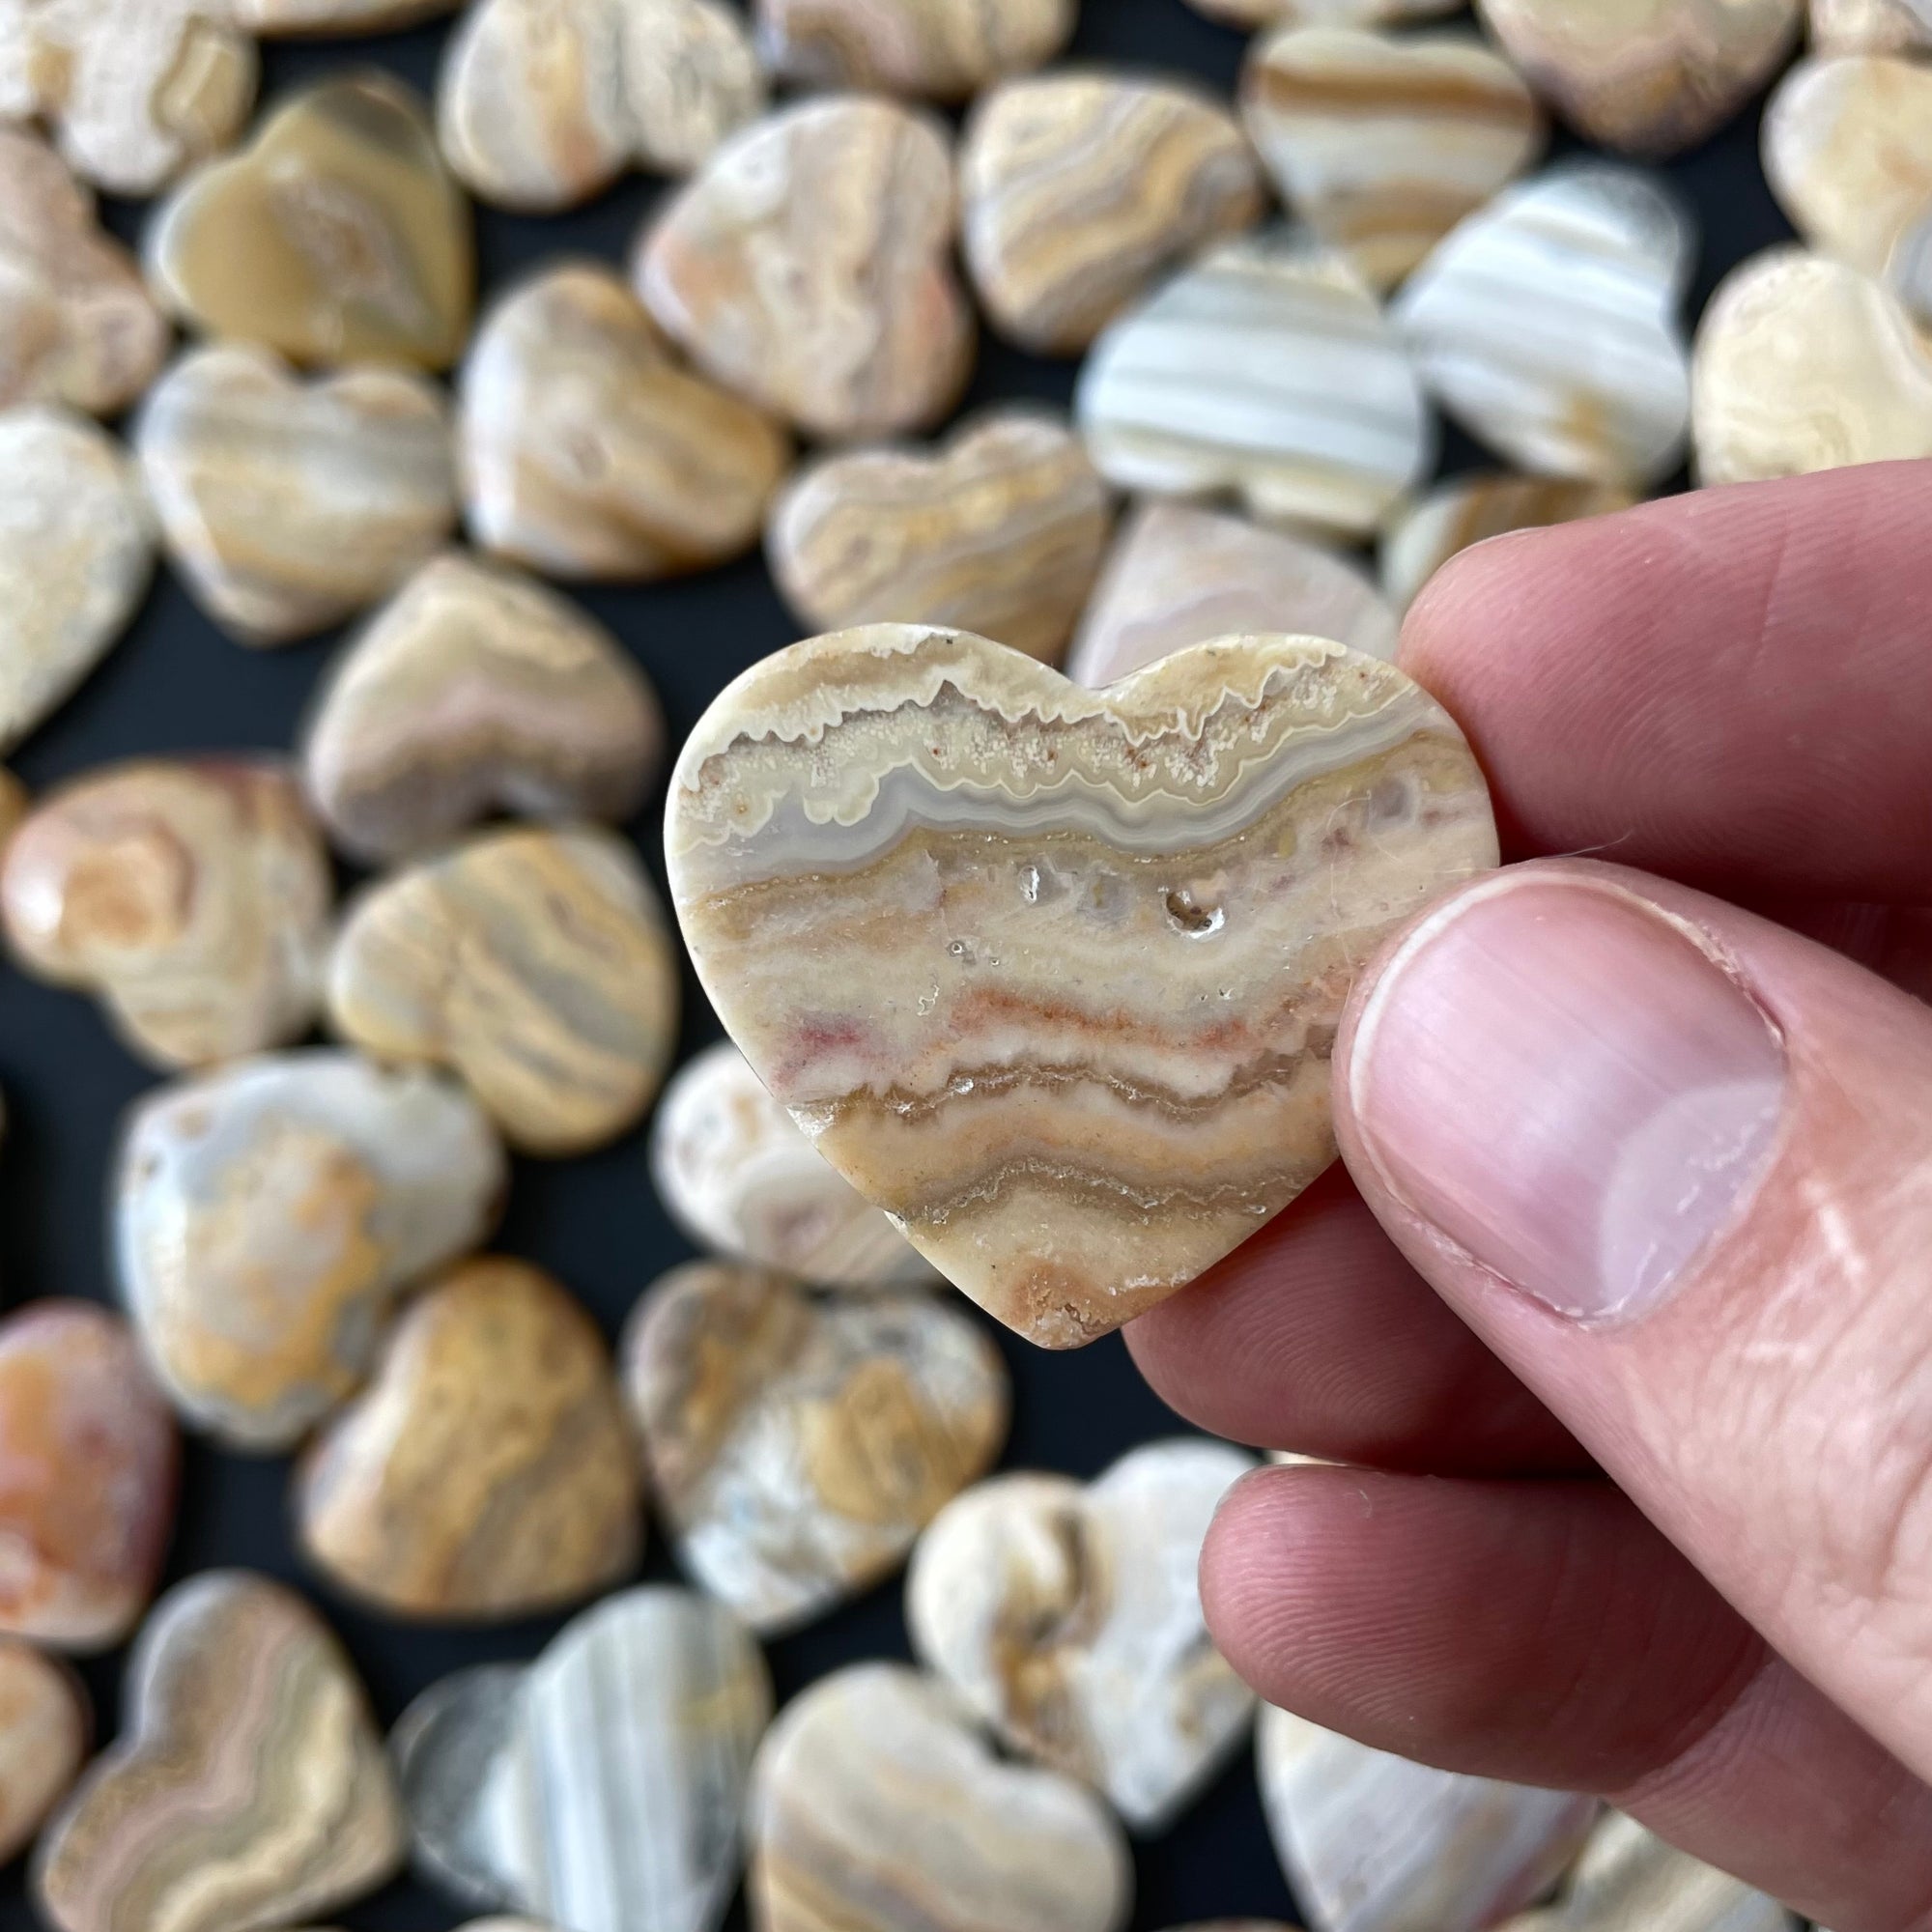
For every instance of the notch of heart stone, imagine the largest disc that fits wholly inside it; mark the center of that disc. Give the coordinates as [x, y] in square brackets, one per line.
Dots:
[1053, 975]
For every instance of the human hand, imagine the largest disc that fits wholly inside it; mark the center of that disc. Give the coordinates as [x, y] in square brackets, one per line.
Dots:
[1638, 1188]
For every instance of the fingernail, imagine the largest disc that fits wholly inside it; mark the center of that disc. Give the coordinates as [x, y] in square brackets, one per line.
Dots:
[1562, 1083]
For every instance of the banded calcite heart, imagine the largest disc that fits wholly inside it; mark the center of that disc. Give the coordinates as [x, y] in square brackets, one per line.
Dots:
[943, 49]
[1053, 975]
[1871, 26]
[1069, 1619]
[44, 1725]
[444, 1748]
[248, 1788]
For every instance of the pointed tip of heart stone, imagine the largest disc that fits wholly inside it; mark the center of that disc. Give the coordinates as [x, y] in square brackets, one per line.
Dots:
[1053, 975]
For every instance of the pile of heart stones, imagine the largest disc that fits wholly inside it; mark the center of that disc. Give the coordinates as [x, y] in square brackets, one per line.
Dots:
[1031, 970]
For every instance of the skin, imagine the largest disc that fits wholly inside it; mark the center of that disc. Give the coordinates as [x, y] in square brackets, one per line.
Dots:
[1683, 1560]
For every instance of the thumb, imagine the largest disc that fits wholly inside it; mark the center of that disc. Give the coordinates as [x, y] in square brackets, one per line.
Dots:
[1674, 1165]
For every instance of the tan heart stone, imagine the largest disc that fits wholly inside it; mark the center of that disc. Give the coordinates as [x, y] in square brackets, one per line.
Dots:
[1805, 364]
[944, 49]
[797, 1444]
[269, 18]
[1320, 12]
[1082, 189]
[1871, 26]
[1380, 144]
[267, 1214]
[998, 530]
[248, 1788]
[77, 551]
[476, 690]
[290, 506]
[537, 964]
[44, 1725]
[77, 325]
[588, 449]
[545, 103]
[1053, 975]
[336, 236]
[487, 1471]
[1648, 77]
[809, 267]
[877, 1806]
[1070, 1618]
[134, 94]
[194, 898]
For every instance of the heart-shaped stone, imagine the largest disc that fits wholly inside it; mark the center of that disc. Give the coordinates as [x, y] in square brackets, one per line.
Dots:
[1082, 189]
[269, 17]
[1053, 975]
[195, 899]
[476, 690]
[288, 506]
[1651, 77]
[740, 1178]
[537, 964]
[1320, 12]
[544, 103]
[248, 1788]
[797, 1444]
[944, 49]
[1871, 26]
[618, 1801]
[1471, 509]
[44, 1725]
[76, 549]
[589, 450]
[1373, 1843]
[1805, 364]
[809, 266]
[998, 530]
[1546, 323]
[88, 1460]
[1383, 145]
[336, 236]
[1069, 1619]
[134, 94]
[77, 325]
[487, 1472]
[1267, 371]
[1178, 575]
[444, 1748]
[267, 1213]
[1629, 1880]
[878, 1805]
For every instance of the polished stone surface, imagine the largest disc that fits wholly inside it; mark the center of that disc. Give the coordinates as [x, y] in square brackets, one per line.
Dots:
[44, 1727]
[1871, 26]
[798, 1443]
[133, 93]
[486, 1472]
[537, 964]
[1471, 509]
[76, 323]
[1383, 144]
[1178, 575]
[1000, 530]
[269, 18]
[194, 898]
[809, 266]
[1648, 77]
[1321, 12]
[336, 236]
[878, 1805]
[444, 1749]
[588, 449]
[288, 505]
[1083, 189]
[76, 549]
[88, 1465]
[1373, 1843]
[944, 49]
[1547, 324]
[1053, 975]
[267, 1214]
[544, 103]
[476, 690]
[734, 1172]
[248, 1787]
[1068, 1617]
[1267, 372]
[1805, 364]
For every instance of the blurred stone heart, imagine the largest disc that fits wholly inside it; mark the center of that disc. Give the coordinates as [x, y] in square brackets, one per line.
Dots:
[44, 1725]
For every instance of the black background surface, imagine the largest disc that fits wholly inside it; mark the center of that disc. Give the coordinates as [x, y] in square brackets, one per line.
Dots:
[176, 685]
